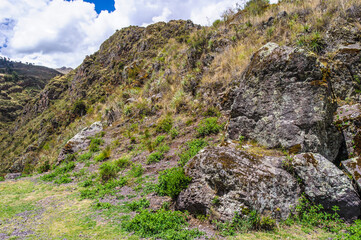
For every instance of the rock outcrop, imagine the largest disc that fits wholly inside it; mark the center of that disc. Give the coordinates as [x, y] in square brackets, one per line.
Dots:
[80, 141]
[226, 180]
[285, 100]
[325, 184]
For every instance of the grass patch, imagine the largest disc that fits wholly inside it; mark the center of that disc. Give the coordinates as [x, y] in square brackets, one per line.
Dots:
[60, 173]
[138, 205]
[99, 190]
[193, 147]
[85, 157]
[172, 182]
[208, 126]
[105, 154]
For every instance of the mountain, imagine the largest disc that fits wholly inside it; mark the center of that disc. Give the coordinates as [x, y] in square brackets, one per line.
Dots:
[19, 83]
[249, 127]
[64, 70]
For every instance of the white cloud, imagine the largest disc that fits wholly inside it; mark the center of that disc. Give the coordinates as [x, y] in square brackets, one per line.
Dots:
[59, 33]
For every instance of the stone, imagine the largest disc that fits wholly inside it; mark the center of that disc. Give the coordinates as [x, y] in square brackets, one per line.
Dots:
[226, 181]
[284, 101]
[80, 141]
[353, 167]
[12, 176]
[325, 184]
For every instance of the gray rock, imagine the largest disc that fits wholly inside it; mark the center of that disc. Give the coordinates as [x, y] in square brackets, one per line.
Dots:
[80, 141]
[325, 184]
[12, 176]
[284, 101]
[353, 167]
[226, 180]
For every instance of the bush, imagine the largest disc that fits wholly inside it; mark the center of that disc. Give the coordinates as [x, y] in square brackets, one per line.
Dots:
[2, 178]
[61, 170]
[212, 112]
[159, 140]
[79, 108]
[313, 42]
[99, 190]
[107, 171]
[45, 167]
[122, 162]
[172, 181]
[216, 23]
[173, 133]
[155, 157]
[165, 124]
[105, 154]
[136, 170]
[94, 144]
[256, 7]
[162, 224]
[138, 205]
[208, 126]
[84, 157]
[63, 179]
[193, 147]
[353, 231]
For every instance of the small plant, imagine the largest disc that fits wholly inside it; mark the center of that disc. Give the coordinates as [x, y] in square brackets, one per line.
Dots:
[208, 126]
[84, 157]
[45, 167]
[63, 179]
[216, 201]
[138, 205]
[94, 144]
[136, 170]
[193, 147]
[2, 179]
[59, 171]
[241, 139]
[172, 182]
[155, 157]
[173, 133]
[162, 224]
[159, 139]
[102, 205]
[165, 124]
[99, 190]
[105, 154]
[107, 171]
[122, 162]
[212, 112]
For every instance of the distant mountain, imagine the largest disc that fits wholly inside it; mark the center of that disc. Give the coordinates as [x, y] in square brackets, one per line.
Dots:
[64, 70]
[19, 83]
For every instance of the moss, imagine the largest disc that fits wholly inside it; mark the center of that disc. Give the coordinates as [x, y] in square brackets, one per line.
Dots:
[311, 159]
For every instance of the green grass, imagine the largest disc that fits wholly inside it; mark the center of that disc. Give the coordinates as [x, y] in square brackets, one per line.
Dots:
[172, 182]
[99, 190]
[84, 157]
[208, 126]
[193, 147]
[59, 173]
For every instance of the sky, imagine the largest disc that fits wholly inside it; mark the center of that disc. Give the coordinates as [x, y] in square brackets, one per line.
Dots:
[58, 33]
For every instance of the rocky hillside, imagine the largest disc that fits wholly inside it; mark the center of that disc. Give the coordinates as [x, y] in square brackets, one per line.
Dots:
[19, 83]
[248, 124]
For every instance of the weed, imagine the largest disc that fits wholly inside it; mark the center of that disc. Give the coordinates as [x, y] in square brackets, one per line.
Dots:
[107, 171]
[105, 154]
[172, 182]
[94, 144]
[45, 167]
[159, 139]
[155, 157]
[138, 205]
[136, 170]
[173, 133]
[193, 147]
[84, 157]
[63, 179]
[208, 126]
[165, 124]
[162, 224]
[99, 190]
[212, 112]
[122, 162]
[2, 178]
[61, 170]
[102, 205]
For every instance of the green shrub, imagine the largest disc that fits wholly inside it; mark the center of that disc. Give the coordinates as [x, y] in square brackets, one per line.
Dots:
[105, 154]
[84, 157]
[193, 147]
[61, 170]
[107, 171]
[216, 23]
[94, 144]
[172, 181]
[256, 7]
[79, 108]
[138, 205]
[122, 162]
[136, 170]
[353, 231]
[155, 157]
[313, 42]
[212, 112]
[99, 190]
[2, 178]
[165, 124]
[45, 167]
[208, 126]
[173, 133]
[160, 225]
[159, 139]
[102, 205]
[63, 179]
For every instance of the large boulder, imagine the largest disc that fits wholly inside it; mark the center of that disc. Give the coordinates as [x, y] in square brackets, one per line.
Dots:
[325, 184]
[80, 141]
[226, 181]
[285, 100]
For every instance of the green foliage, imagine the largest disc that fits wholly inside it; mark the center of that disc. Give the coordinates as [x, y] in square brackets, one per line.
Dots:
[155, 157]
[165, 124]
[312, 215]
[63, 179]
[212, 112]
[2, 178]
[122, 162]
[59, 171]
[193, 147]
[353, 231]
[107, 171]
[45, 167]
[313, 42]
[138, 205]
[172, 181]
[173, 133]
[79, 108]
[102, 205]
[216, 23]
[136, 170]
[84, 157]
[256, 7]
[208, 126]
[99, 190]
[159, 139]
[105, 154]
[162, 224]
[94, 144]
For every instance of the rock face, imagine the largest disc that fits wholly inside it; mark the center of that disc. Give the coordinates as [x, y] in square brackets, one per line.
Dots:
[226, 180]
[80, 141]
[325, 184]
[284, 100]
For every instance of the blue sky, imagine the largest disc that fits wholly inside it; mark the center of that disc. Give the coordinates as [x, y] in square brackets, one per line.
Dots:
[58, 33]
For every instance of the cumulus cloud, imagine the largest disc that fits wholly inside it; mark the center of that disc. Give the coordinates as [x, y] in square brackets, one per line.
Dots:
[59, 33]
